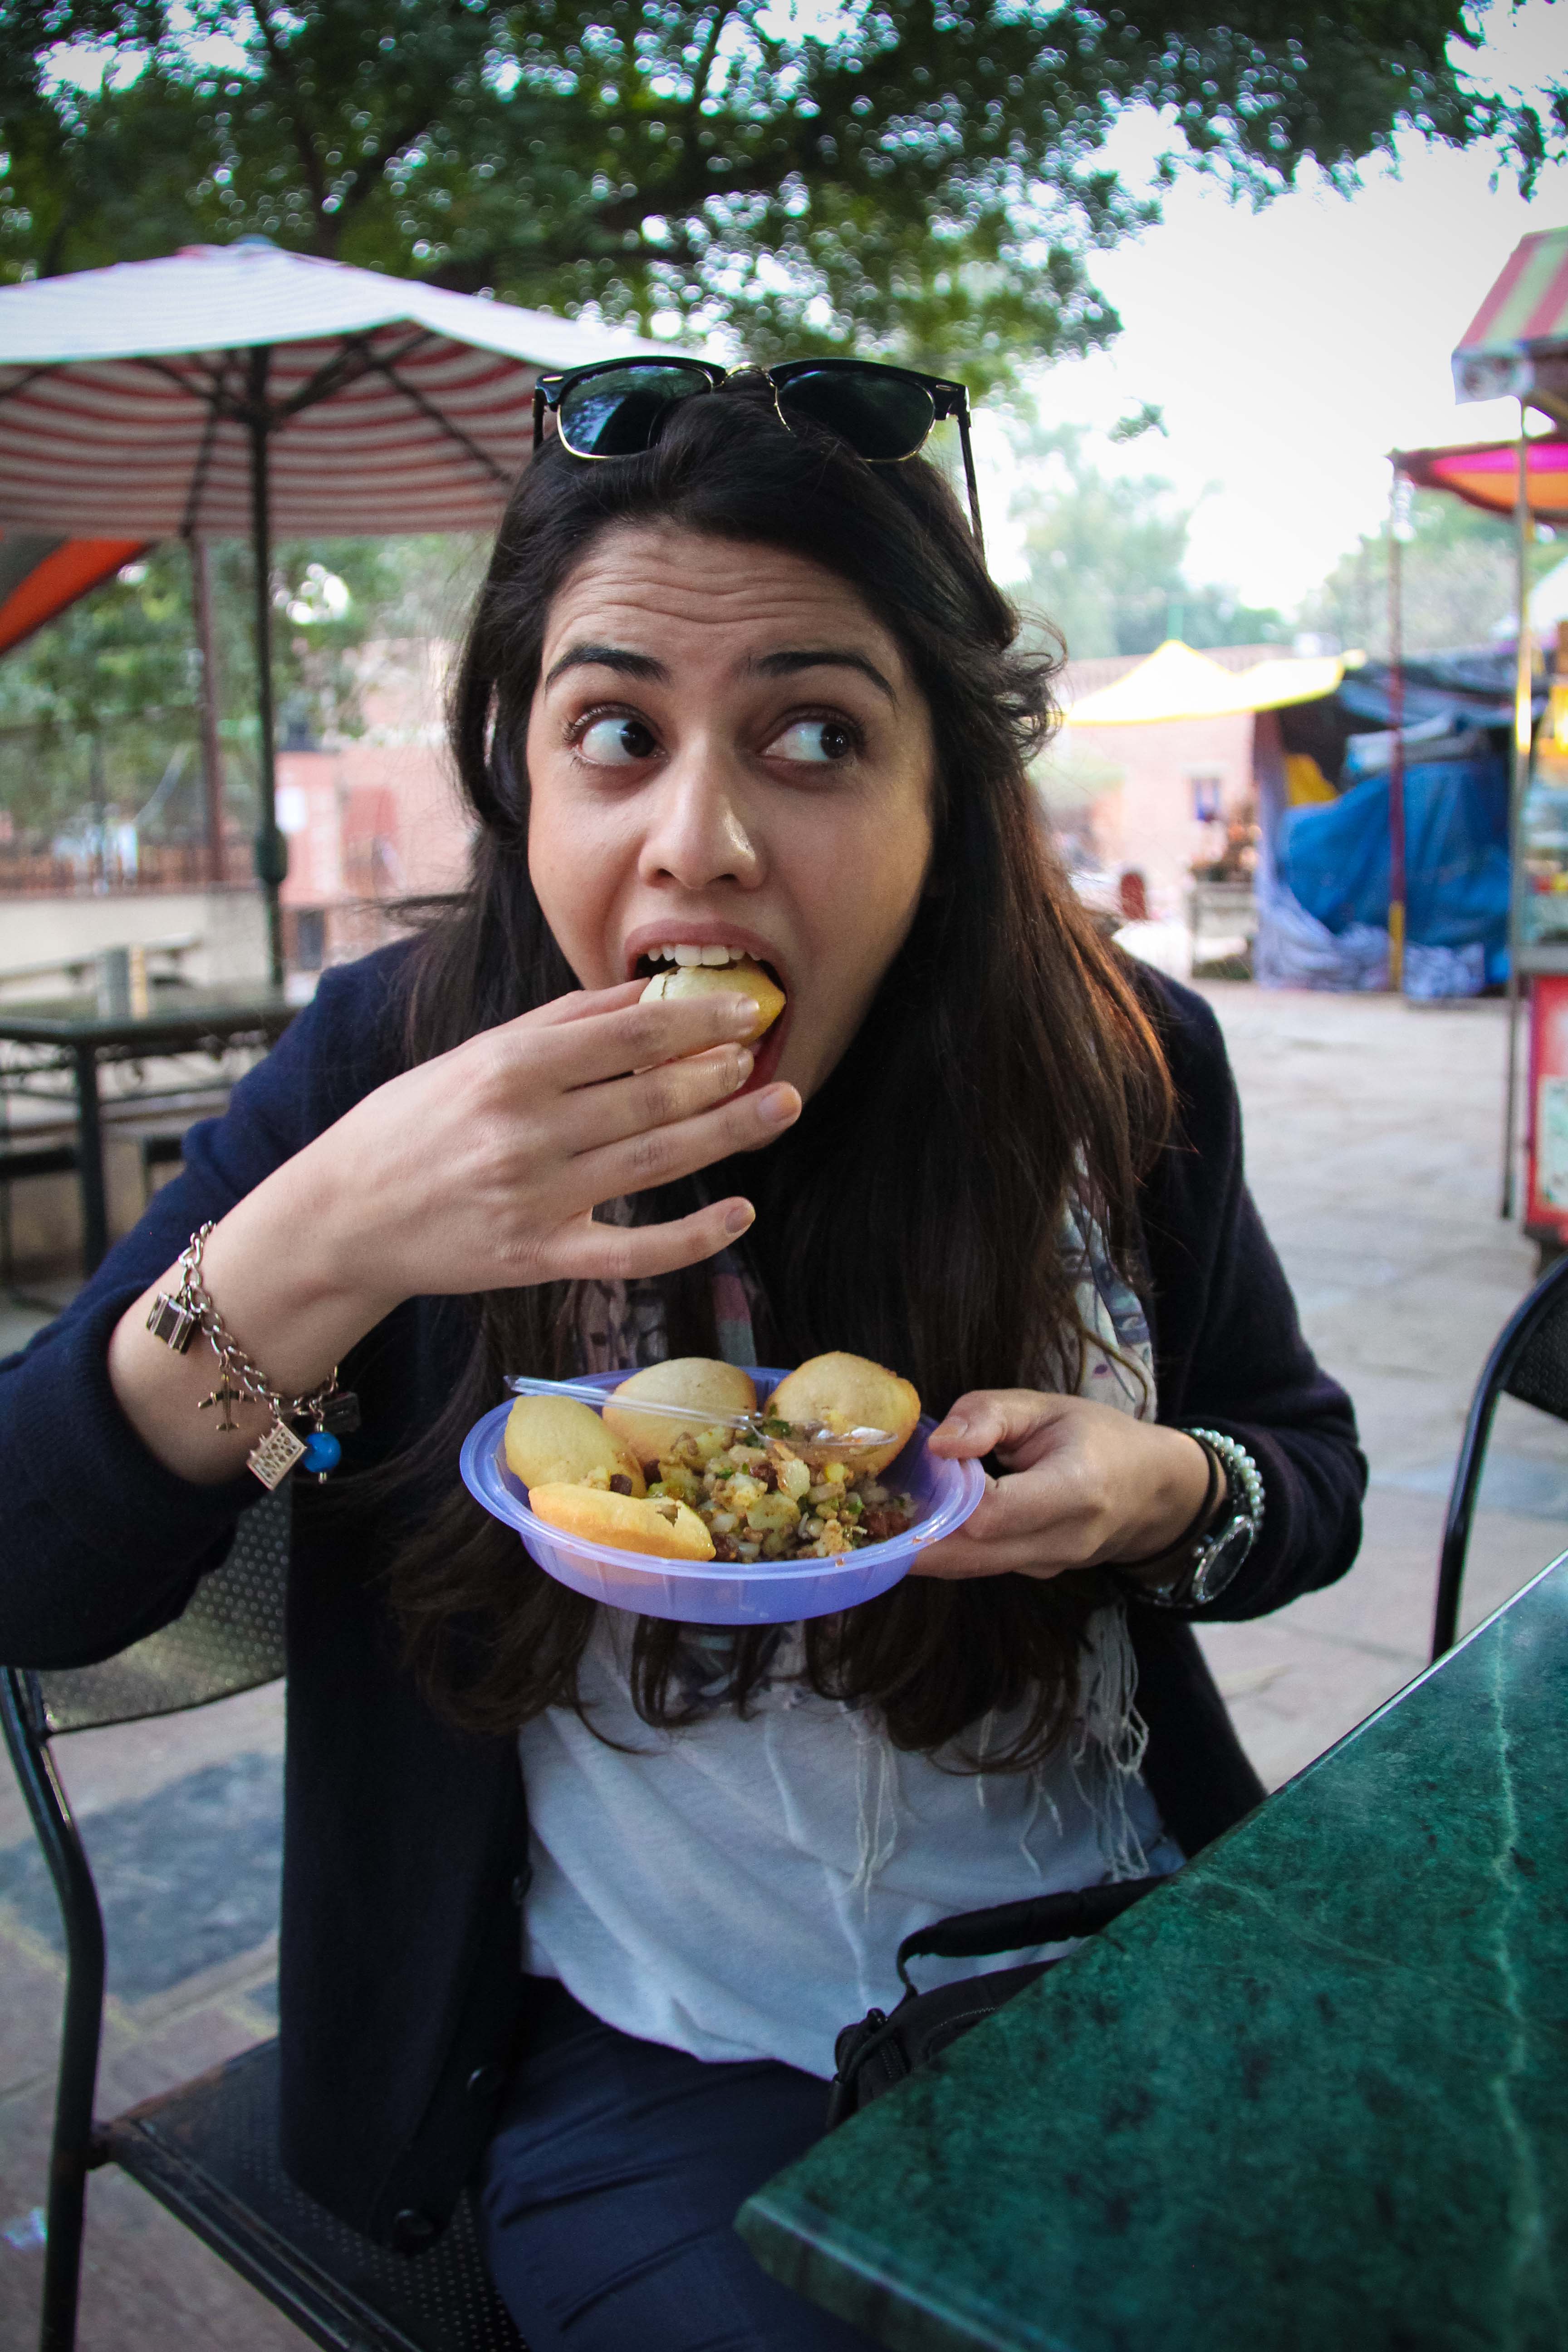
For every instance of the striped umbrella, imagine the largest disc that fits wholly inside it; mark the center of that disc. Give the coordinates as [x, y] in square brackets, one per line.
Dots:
[240, 390]
[1515, 346]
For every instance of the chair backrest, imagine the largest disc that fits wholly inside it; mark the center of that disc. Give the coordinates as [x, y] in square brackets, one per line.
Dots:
[1539, 1375]
[229, 1638]
[1530, 1361]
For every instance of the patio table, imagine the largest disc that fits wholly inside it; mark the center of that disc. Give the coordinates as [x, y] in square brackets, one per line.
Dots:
[1312, 2096]
[70, 1033]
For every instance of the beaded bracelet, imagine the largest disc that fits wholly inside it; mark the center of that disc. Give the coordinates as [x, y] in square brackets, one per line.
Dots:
[333, 1412]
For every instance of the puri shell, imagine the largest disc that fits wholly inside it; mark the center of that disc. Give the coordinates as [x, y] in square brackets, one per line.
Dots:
[712, 1390]
[666, 1528]
[551, 1439]
[850, 1393]
[747, 979]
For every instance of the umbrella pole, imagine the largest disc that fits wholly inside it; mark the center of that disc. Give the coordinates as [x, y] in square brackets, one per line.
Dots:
[1523, 685]
[212, 751]
[1397, 892]
[271, 849]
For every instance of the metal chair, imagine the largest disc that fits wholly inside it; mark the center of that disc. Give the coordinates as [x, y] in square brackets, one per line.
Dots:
[208, 2151]
[1529, 1361]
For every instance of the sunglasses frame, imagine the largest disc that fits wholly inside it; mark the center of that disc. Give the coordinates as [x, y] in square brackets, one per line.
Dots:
[948, 399]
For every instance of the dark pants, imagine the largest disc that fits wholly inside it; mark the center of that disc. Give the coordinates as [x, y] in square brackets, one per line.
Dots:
[609, 2194]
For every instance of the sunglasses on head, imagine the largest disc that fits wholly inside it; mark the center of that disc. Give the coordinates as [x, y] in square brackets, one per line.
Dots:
[616, 408]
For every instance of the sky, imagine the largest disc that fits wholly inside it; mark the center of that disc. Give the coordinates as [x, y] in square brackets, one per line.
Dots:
[1291, 348]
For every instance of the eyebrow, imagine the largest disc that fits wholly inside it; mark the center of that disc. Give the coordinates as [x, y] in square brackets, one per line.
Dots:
[788, 665]
[779, 664]
[615, 658]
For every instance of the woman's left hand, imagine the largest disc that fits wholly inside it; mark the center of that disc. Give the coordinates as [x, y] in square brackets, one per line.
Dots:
[1085, 1486]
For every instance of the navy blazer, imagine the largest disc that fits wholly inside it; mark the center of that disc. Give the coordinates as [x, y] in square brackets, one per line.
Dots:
[406, 1841]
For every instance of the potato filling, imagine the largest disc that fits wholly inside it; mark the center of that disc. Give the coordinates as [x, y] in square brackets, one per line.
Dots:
[759, 1500]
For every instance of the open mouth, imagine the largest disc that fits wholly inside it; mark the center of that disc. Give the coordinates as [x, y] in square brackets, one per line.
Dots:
[715, 957]
[679, 956]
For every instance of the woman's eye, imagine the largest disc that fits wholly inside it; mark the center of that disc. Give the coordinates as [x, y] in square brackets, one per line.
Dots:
[819, 739]
[617, 742]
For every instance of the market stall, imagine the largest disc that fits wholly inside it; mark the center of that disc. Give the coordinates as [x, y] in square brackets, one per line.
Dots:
[1516, 347]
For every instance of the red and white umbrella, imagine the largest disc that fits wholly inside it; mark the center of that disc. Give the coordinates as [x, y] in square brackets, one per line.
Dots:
[239, 390]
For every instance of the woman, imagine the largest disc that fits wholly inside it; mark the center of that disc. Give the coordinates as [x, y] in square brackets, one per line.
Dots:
[745, 689]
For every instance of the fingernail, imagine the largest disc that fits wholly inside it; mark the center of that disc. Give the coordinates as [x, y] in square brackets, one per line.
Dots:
[955, 1426]
[740, 1011]
[744, 1064]
[737, 1219]
[776, 1104]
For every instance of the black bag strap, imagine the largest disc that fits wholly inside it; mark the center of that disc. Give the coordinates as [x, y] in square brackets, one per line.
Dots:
[1013, 1927]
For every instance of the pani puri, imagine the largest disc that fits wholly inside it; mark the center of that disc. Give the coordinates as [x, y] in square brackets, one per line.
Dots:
[713, 1390]
[556, 1440]
[746, 979]
[849, 1392]
[660, 1526]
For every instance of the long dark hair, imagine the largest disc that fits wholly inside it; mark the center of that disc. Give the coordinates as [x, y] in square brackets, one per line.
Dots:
[913, 1212]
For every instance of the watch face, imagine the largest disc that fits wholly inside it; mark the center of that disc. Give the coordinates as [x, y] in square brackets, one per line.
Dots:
[1222, 1559]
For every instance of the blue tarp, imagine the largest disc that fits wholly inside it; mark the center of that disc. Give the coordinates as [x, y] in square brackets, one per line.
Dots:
[1334, 858]
[1468, 690]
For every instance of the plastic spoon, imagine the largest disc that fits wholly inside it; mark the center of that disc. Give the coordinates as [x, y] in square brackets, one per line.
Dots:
[527, 1384]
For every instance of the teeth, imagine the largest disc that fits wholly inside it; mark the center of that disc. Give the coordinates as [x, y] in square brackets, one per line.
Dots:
[684, 954]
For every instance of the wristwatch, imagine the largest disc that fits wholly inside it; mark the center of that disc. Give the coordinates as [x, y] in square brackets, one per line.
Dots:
[1198, 1568]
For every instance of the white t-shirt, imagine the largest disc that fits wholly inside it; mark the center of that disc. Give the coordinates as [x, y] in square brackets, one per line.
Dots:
[739, 1889]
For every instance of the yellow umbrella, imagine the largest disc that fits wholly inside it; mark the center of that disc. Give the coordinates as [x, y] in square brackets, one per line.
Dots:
[1177, 683]
[1174, 683]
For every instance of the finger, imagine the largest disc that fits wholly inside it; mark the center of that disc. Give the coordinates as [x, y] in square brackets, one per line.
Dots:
[1030, 1551]
[664, 1153]
[629, 1253]
[592, 1116]
[957, 1561]
[582, 1004]
[635, 1037]
[1039, 1517]
[1045, 1504]
[985, 1420]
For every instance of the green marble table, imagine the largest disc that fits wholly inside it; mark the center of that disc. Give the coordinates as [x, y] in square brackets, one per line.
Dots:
[1311, 2097]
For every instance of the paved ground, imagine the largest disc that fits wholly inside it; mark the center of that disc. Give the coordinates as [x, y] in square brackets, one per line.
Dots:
[1373, 1137]
[1372, 1140]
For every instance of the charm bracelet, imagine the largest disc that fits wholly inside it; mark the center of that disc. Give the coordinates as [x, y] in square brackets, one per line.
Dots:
[332, 1412]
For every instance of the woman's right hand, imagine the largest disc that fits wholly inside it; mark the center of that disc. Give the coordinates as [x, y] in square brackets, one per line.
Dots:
[480, 1170]
[477, 1171]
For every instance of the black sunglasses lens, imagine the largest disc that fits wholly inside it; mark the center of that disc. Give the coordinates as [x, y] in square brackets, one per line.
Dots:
[881, 417]
[618, 413]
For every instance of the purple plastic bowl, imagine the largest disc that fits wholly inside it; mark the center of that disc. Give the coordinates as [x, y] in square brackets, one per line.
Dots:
[721, 1592]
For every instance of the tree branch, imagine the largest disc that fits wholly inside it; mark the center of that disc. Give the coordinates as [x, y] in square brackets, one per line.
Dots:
[304, 143]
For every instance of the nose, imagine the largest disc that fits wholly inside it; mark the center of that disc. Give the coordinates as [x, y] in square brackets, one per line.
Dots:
[698, 830]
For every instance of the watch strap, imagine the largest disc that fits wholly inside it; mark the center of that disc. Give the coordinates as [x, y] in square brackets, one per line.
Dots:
[1204, 1563]
[1177, 1556]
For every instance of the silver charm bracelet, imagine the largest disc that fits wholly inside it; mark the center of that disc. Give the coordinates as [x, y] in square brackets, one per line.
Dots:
[332, 1412]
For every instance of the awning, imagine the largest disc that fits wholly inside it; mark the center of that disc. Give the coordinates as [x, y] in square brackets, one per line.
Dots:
[1485, 475]
[40, 575]
[1515, 346]
[1175, 683]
